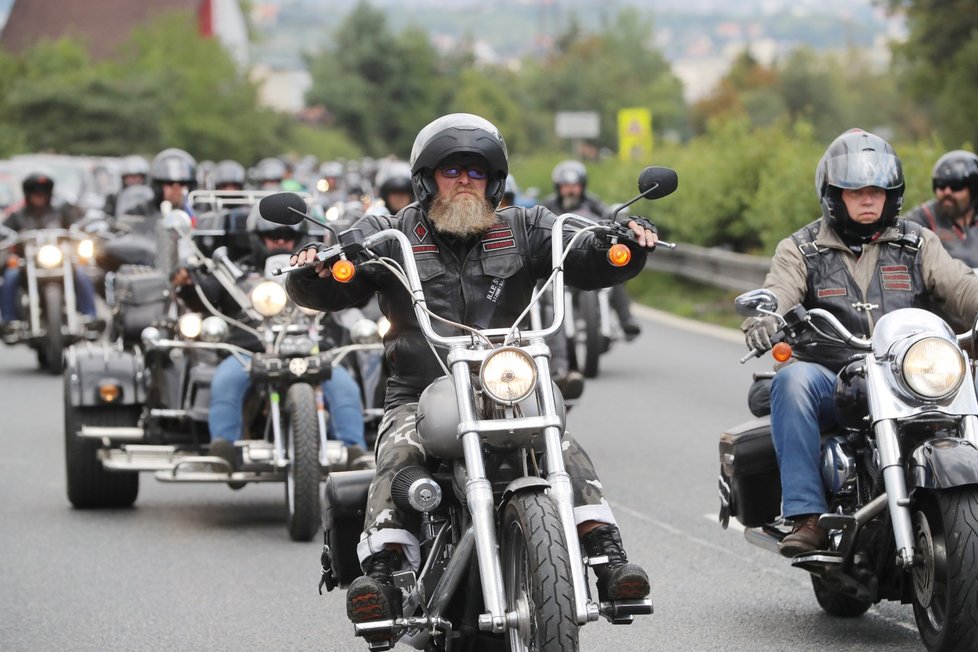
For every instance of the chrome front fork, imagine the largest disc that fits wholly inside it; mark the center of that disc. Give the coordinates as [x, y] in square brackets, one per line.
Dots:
[896, 490]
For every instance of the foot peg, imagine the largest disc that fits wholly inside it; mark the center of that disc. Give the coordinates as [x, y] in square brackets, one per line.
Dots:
[623, 612]
[382, 634]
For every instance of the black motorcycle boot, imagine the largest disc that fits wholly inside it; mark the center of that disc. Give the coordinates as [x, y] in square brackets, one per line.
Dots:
[373, 596]
[618, 579]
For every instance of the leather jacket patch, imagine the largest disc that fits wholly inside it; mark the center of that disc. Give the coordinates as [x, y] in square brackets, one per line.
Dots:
[832, 292]
[896, 277]
[499, 236]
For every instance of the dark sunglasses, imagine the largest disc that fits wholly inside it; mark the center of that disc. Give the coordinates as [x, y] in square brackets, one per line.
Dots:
[174, 183]
[955, 186]
[455, 171]
[281, 236]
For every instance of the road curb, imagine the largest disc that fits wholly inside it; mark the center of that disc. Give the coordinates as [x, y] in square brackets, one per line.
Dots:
[691, 325]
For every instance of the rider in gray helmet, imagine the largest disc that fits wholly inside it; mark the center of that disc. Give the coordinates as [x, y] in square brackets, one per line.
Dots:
[465, 246]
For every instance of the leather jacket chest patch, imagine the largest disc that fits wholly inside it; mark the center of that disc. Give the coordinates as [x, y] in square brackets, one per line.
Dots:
[832, 292]
[896, 278]
[498, 237]
[424, 249]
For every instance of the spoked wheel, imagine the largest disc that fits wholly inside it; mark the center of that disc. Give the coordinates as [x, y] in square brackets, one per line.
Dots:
[945, 579]
[537, 577]
[589, 343]
[303, 473]
[54, 343]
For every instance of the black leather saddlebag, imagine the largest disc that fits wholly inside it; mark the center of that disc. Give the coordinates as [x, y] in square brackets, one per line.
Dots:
[749, 469]
[140, 297]
[344, 505]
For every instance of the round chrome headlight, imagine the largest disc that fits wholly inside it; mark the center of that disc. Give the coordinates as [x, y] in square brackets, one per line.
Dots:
[933, 368]
[508, 375]
[269, 298]
[86, 249]
[49, 256]
[190, 325]
[213, 329]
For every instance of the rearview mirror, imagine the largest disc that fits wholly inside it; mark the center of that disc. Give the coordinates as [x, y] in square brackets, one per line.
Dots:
[756, 302]
[285, 208]
[656, 182]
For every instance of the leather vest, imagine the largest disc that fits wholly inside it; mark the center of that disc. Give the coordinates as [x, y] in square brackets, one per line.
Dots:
[897, 282]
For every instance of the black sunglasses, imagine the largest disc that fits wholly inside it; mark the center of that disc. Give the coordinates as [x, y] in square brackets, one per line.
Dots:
[455, 171]
[955, 186]
[281, 235]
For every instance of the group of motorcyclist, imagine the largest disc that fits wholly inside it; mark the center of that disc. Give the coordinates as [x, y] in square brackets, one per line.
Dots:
[480, 255]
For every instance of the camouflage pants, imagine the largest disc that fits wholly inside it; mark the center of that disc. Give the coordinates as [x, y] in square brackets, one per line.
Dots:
[399, 446]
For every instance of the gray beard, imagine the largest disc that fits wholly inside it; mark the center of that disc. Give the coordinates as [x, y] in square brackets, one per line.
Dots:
[461, 216]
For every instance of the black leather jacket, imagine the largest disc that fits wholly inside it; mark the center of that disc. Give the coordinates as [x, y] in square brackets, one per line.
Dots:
[458, 279]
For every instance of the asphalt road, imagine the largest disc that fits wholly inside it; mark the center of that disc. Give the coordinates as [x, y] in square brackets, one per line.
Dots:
[197, 567]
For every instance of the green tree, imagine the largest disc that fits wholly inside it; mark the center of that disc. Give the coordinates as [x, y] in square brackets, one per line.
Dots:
[940, 61]
[605, 72]
[380, 87]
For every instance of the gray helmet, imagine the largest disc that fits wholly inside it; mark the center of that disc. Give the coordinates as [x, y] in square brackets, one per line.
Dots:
[458, 133]
[134, 165]
[228, 171]
[957, 166]
[858, 159]
[173, 164]
[569, 171]
[394, 176]
[268, 170]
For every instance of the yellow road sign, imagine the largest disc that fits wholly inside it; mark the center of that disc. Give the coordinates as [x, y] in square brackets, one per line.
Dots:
[635, 134]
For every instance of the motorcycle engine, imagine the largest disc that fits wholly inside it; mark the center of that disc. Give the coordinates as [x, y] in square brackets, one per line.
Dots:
[838, 465]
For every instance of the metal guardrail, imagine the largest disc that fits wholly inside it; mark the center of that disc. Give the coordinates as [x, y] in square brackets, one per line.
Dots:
[716, 267]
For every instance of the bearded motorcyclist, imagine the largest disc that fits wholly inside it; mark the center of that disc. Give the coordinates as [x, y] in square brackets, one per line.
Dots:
[231, 380]
[463, 248]
[951, 214]
[39, 212]
[859, 261]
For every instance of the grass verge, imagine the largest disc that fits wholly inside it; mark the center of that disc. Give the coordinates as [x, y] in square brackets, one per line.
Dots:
[685, 298]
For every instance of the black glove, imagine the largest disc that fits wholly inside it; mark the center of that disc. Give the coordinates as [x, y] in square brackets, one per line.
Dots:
[642, 222]
[759, 333]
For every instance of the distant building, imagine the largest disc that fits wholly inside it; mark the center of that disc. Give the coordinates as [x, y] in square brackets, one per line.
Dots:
[103, 24]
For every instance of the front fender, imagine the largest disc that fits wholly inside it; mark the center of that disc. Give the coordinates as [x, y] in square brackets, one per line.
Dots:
[89, 366]
[943, 464]
[519, 485]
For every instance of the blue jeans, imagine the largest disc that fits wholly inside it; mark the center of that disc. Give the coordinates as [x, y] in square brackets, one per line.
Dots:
[802, 406]
[9, 310]
[231, 382]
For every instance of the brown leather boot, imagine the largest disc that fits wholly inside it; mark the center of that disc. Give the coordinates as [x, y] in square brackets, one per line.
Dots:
[807, 535]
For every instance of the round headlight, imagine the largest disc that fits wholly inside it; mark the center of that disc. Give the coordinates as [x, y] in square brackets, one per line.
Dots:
[933, 368]
[86, 249]
[190, 325]
[49, 256]
[268, 298]
[508, 375]
[213, 329]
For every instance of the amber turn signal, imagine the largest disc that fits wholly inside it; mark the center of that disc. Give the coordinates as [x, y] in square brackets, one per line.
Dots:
[781, 351]
[12, 262]
[109, 392]
[619, 255]
[343, 271]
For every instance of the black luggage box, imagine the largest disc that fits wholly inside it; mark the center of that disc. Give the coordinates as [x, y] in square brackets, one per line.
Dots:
[344, 506]
[749, 465]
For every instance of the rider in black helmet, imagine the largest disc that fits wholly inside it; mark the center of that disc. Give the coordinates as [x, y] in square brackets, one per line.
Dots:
[951, 214]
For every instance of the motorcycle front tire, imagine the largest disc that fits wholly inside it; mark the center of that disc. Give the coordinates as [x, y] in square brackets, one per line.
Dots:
[54, 343]
[537, 575]
[592, 343]
[303, 473]
[944, 603]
